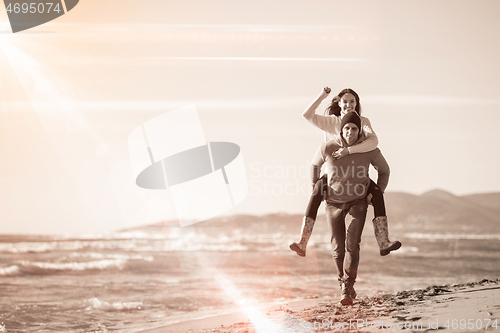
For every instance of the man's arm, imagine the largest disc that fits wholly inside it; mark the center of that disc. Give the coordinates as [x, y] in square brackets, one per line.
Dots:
[371, 141]
[383, 170]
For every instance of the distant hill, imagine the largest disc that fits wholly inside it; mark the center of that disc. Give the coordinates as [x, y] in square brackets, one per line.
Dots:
[488, 200]
[434, 211]
[438, 210]
[251, 223]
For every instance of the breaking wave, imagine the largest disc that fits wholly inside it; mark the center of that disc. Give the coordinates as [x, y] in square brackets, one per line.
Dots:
[452, 236]
[134, 263]
[187, 243]
[73, 266]
[10, 270]
[97, 304]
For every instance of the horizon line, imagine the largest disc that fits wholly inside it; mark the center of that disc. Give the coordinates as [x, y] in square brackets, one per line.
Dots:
[261, 59]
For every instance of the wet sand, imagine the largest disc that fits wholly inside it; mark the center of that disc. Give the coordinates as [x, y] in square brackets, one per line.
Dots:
[461, 307]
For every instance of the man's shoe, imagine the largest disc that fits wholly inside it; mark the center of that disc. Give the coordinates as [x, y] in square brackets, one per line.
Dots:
[353, 293]
[347, 294]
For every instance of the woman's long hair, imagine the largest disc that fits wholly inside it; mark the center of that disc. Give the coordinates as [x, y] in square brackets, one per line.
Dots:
[334, 108]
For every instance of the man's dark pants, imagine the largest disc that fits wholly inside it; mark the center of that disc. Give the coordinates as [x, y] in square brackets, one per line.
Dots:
[346, 222]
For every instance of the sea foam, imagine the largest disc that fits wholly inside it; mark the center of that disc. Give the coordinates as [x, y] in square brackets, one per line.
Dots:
[11, 270]
[451, 236]
[95, 303]
[76, 266]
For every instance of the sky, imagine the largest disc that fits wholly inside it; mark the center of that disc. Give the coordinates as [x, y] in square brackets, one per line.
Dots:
[72, 90]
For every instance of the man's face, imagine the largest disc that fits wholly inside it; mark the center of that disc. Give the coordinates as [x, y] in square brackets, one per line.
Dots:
[350, 132]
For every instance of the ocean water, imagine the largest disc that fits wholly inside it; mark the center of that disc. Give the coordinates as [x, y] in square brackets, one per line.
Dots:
[131, 281]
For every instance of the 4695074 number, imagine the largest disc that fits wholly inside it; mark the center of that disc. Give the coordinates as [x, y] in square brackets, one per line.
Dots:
[471, 324]
[33, 8]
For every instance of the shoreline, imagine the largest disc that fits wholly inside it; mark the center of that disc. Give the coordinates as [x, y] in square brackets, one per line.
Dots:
[234, 317]
[458, 307]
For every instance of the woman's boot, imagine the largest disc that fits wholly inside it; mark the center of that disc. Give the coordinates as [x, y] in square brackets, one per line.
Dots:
[382, 235]
[305, 234]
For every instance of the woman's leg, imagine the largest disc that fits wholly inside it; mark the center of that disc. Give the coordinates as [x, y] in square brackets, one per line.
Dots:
[377, 199]
[316, 198]
[380, 225]
[310, 217]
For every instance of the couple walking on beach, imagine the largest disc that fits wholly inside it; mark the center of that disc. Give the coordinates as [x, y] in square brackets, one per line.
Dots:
[349, 149]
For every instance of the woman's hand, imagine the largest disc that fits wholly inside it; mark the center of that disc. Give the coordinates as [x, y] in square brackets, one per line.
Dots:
[339, 153]
[325, 92]
[369, 199]
[310, 111]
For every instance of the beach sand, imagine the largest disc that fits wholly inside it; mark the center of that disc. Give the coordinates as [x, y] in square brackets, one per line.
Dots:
[470, 307]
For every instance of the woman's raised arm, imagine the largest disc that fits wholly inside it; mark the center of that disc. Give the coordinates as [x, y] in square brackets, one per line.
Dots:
[322, 122]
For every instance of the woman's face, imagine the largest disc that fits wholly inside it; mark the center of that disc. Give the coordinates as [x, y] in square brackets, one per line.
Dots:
[347, 103]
